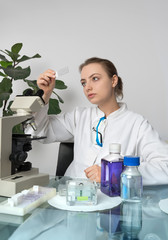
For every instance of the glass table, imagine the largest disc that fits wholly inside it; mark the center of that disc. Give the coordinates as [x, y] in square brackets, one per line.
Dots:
[127, 221]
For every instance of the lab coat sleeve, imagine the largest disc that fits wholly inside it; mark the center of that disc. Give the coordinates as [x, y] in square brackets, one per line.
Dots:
[154, 156]
[57, 128]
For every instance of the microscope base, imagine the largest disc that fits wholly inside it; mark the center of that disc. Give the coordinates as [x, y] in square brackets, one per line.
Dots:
[15, 183]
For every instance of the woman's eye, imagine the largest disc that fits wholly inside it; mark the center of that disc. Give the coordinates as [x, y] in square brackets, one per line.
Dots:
[83, 84]
[95, 78]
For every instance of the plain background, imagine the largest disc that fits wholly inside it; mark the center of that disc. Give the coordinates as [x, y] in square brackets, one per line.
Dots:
[132, 34]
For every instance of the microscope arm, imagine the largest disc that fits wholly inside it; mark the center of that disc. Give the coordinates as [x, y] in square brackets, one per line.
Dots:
[6, 126]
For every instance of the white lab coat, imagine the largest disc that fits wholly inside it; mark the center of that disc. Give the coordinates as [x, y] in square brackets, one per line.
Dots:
[131, 130]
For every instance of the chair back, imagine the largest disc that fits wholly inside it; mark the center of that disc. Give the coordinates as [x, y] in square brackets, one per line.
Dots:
[65, 157]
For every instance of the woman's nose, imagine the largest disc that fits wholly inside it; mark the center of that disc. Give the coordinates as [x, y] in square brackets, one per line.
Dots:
[88, 86]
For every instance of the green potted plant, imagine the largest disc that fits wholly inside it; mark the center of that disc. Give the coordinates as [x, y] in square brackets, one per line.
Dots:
[11, 71]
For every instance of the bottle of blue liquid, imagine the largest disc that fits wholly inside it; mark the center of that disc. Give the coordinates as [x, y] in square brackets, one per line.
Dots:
[111, 168]
[131, 180]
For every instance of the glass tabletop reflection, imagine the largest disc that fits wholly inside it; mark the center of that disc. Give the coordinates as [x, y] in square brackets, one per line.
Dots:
[136, 220]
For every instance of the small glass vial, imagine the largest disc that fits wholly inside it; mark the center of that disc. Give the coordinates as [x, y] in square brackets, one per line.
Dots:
[111, 168]
[131, 180]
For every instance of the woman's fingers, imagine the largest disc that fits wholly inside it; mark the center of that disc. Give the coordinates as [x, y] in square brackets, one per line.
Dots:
[46, 78]
[93, 176]
[93, 173]
[46, 82]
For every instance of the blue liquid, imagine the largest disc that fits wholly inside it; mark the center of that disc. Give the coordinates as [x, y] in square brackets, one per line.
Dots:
[110, 177]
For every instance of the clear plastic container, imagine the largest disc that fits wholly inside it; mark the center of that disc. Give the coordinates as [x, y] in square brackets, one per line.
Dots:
[111, 168]
[81, 192]
[131, 180]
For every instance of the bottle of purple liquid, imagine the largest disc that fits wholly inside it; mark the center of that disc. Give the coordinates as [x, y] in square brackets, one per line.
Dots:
[111, 169]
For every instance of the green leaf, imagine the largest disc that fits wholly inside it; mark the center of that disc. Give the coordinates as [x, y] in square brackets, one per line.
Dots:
[1, 103]
[36, 56]
[5, 85]
[5, 89]
[27, 90]
[4, 96]
[14, 56]
[17, 73]
[60, 85]
[59, 98]
[5, 64]
[6, 113]
[18, 129]
[54, 106]
[10, 112]
[2, 74]
[2, 57]
[16, 48]
[32, 84]
[24, 58]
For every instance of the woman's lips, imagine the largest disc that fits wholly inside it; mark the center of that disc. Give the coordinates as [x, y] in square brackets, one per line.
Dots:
[91, 95]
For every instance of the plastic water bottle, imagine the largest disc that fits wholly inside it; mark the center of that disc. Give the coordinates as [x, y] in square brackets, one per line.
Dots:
[111, 168]
[131, 180]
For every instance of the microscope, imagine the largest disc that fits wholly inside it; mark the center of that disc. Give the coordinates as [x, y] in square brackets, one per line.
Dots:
[16, 174]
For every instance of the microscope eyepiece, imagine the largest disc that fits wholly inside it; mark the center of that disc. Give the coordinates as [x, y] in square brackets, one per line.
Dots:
[39, 93]
[29, 92]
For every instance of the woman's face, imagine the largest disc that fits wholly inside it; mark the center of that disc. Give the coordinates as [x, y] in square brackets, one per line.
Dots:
[97, 85]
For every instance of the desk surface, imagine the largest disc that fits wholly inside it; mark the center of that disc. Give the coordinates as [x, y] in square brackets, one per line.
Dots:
[127, 221]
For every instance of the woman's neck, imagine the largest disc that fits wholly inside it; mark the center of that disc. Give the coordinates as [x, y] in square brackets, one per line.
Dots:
[109, 108]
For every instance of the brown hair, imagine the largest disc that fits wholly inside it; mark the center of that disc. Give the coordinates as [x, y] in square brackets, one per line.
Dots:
[110, 70]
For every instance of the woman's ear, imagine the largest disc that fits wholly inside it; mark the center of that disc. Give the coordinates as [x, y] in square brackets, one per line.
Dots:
[114, 81]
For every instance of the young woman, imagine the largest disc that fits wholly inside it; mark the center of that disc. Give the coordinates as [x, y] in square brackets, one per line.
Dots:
[108, 121]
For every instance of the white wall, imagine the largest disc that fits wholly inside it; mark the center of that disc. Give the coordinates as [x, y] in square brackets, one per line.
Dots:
[132, 34]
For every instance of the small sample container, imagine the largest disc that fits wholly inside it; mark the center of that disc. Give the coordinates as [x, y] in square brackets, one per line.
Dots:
[131, 180]
[81, 192]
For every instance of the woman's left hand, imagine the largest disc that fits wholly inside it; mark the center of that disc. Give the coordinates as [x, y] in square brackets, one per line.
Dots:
[93, 173]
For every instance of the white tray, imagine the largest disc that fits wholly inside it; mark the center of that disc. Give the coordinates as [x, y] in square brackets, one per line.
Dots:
[104, 202]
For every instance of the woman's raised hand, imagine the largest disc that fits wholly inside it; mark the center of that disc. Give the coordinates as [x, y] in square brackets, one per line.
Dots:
[46, 82]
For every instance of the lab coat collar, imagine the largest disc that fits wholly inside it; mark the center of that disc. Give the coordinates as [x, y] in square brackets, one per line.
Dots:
[118, 112]
[123, 108]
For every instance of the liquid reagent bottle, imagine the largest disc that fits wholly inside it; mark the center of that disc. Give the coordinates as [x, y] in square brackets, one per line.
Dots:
[131, 180]
[111, 168]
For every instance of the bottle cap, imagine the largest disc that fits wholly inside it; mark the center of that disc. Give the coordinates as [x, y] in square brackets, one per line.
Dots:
[131, 161]
[115, 148]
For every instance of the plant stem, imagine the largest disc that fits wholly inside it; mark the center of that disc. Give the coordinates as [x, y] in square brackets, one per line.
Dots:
[4, 106]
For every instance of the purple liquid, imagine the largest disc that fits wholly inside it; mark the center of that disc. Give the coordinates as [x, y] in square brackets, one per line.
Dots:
[110, 177]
